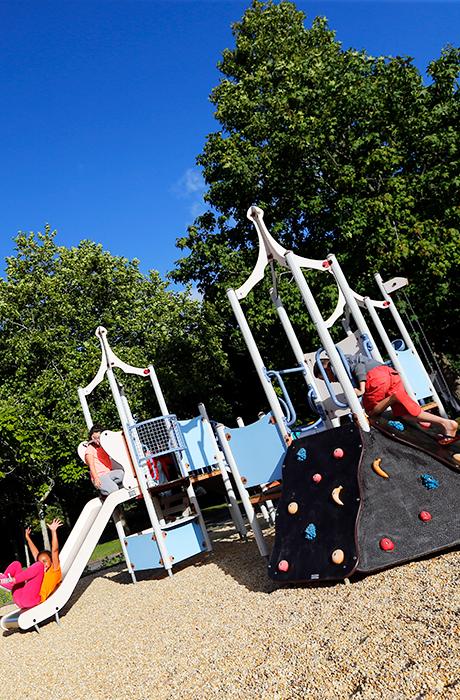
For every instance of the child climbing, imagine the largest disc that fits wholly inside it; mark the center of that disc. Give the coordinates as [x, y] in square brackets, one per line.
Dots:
[381, 387]
[103, 476]
[35, 584]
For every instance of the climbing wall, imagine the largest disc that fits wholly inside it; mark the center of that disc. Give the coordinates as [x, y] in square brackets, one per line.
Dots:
[411, 513]
[363, 502]
[316, 515]
[425, 439]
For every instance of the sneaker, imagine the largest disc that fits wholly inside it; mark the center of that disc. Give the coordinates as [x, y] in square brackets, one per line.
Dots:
[6, 582]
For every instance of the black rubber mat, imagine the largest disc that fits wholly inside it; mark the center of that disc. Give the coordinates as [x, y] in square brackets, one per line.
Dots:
[311, 559]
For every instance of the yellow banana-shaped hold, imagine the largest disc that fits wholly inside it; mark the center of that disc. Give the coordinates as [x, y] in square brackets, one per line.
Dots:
[336, 495]
[378, 469]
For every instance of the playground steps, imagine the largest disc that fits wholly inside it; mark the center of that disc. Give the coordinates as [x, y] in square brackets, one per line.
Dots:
[203, 477]
[270, 493]
[169, 485]
[180, 527]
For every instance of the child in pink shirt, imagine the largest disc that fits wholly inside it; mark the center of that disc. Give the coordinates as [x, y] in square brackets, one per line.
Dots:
[33, 585]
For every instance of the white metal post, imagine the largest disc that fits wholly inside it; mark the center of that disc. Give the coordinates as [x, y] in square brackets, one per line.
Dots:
[86, 412]
[408, 341]
[158, 392]
[140, 476]
[218, 456]
[294, 342]
[264, 512]
[353, 304]
[261, 544]
[327, 341]
[259, 365]
[389, 347]
[122, 537]
[271, 511]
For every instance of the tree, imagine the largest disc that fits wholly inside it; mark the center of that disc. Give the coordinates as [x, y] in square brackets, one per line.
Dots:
[51, 302]
[345, 152]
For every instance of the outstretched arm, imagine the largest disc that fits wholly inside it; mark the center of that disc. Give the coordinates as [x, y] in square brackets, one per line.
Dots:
[32, 547]
[89, 459]
[54, 542]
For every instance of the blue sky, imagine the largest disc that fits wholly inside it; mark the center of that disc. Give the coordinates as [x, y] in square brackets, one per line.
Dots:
[105, 108]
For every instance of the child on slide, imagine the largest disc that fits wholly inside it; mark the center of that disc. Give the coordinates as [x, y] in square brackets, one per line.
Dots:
[381, 387]
[104, 478]
[35, 584]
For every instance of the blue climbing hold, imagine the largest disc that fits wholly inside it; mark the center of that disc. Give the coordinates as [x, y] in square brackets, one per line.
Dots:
[310, 532]
[396, 424]
[302, 454]
[429, 481]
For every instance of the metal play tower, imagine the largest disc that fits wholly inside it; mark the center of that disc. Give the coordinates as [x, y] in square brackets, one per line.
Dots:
[404, 358]
[145, 442]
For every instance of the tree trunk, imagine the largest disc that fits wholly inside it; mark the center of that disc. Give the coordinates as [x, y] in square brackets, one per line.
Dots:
[26, 549]
[44, 529]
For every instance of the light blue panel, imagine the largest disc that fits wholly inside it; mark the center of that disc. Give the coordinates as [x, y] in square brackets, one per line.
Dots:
[258, 450]
[200, 451]
[143, 551]
[183, 540]
[415, 373]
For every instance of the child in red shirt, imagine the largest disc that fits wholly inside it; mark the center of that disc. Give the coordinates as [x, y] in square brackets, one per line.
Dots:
[104, 478]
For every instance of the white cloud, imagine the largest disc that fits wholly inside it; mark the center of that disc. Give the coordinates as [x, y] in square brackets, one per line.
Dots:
[191, 187]
[189, 184]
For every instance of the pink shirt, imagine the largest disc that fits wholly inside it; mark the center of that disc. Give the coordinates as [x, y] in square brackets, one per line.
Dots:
[102, 461]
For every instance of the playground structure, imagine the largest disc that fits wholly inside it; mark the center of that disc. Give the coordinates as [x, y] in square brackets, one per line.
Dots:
[304, 500]
[177, 531]
[333, 508]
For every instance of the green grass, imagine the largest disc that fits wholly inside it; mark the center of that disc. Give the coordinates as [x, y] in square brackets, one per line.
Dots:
[106, 549]
[5, 597]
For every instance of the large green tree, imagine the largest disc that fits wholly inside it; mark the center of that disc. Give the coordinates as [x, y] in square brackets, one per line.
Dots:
[51, 301]
[346, 153]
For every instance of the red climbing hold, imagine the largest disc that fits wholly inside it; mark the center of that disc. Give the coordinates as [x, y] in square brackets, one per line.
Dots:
[386, 544]
[316, 478]
[283, 565]
[338, 453]
[425, 516]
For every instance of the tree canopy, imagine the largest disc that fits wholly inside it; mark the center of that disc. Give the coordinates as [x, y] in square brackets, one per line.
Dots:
[346, 153]
[51, 302]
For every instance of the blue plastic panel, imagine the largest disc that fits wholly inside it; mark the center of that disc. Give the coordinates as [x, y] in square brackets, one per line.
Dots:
[415, 373]
[258, 450]
[182, 541]
[200, 451]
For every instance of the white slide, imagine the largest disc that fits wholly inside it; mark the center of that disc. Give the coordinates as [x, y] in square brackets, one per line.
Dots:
[74, 556]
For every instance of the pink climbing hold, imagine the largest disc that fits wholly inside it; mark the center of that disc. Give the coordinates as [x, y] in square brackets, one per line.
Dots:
[425, 516]
[338, 453]
[283, 565]
[386, 544]
[316, 478]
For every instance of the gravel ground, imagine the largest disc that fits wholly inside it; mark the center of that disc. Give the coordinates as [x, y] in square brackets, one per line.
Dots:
[220, 629]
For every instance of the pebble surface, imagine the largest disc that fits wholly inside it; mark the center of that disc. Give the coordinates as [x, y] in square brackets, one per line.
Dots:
[219, 628]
